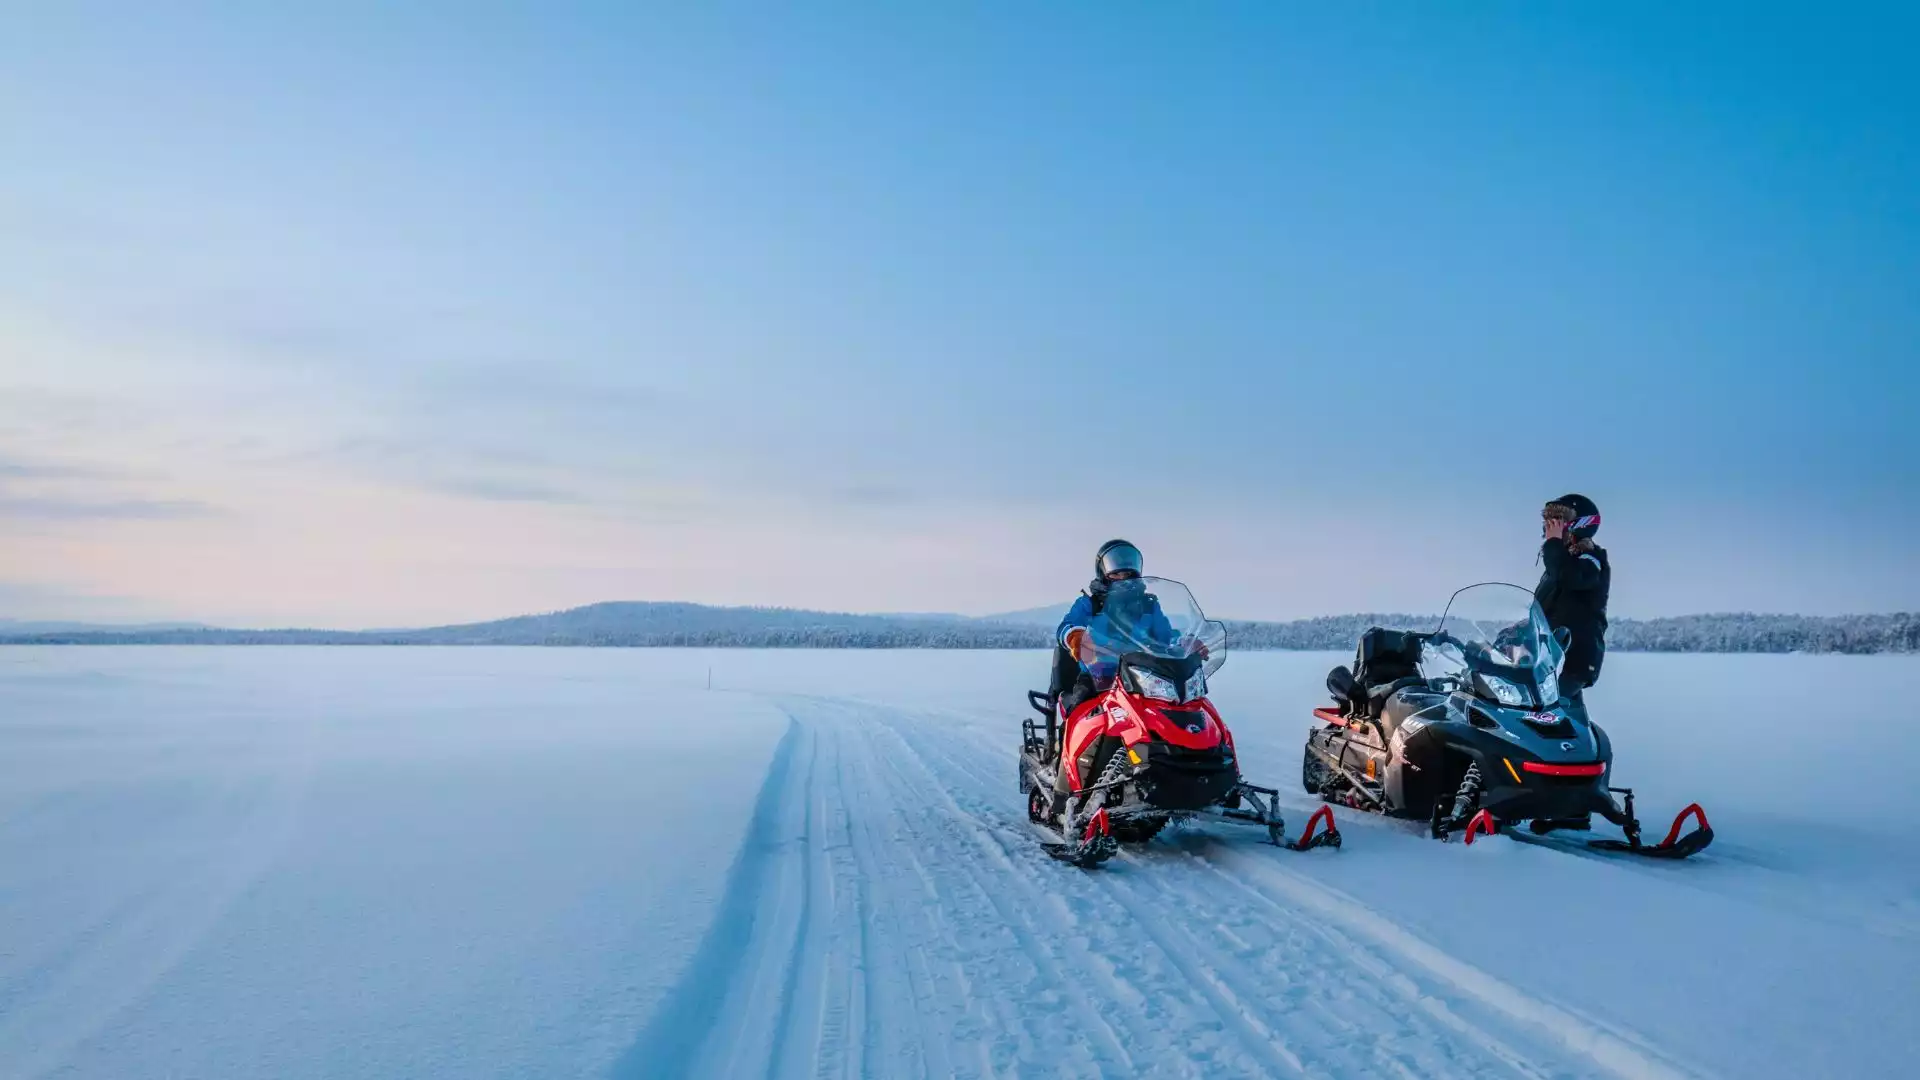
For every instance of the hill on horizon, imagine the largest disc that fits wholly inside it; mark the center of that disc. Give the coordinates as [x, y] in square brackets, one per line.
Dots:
[637, 623]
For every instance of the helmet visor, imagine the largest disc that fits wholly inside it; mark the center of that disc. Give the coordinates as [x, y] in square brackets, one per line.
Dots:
[1120, 560]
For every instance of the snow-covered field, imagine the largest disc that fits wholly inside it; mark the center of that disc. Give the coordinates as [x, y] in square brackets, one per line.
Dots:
[381, 863]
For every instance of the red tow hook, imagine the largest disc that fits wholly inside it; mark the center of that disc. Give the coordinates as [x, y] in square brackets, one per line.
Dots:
[1330, 838]
[1481, 821]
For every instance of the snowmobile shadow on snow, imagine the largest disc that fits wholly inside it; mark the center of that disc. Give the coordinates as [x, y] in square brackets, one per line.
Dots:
[1465, 728]
[1151, 749]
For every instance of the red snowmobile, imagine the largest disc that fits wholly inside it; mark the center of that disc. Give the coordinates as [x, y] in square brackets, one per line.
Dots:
[1150, 748]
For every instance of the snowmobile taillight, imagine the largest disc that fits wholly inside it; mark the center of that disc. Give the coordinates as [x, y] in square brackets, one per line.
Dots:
[1543, 768]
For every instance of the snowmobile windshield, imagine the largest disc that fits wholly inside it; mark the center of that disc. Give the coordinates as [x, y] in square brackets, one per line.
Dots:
[1497, 633]
[1159, 617]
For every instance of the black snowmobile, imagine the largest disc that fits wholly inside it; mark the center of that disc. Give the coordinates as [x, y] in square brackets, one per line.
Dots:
[1465, 728]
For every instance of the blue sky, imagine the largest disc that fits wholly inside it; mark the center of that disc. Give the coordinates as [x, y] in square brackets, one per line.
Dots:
[354, 316]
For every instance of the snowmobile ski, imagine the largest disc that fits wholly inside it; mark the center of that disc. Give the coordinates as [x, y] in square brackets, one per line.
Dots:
[1482, 823]
[1095, 846]
[1675, 846]
[1309, 840]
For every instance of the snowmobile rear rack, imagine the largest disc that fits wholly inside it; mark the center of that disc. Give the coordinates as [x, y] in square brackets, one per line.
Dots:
[1046, 705]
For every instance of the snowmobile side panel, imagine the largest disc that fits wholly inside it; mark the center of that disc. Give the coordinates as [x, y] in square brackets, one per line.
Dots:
[1419, 774]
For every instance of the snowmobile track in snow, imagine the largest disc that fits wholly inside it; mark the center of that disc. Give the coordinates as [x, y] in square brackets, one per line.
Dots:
[891, 915]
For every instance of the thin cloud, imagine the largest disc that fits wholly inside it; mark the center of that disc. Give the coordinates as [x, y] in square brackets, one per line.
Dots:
[50, 508]
[26, 601]
[431, 465]
[493, 489]
[874, 495]
[15, 469]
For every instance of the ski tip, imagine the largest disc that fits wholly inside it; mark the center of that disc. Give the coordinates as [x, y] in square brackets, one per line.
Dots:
[1482, 823]
[1085, 859]
[1087, 854]
[1675, 846]
[1327, 837]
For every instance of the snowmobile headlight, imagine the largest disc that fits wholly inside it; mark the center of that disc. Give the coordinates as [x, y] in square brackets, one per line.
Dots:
[1549, 690]
[1155, 686]
[1506, 692]
[1197, 686]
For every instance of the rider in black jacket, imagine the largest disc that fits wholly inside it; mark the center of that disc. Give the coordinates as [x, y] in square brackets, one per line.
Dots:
[1573, 589]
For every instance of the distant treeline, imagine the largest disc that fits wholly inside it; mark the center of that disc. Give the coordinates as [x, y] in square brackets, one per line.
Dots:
[1770, 634]
[1683, 633]
[647, 625]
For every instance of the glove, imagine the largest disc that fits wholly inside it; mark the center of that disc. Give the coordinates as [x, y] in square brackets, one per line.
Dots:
[1080, 644]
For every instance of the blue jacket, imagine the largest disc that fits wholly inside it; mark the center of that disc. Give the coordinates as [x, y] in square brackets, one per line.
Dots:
[1081, 616]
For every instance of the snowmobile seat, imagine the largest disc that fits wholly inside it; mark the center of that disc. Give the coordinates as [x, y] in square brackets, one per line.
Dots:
[1396, 706]
[1385, 661]
[1378, 696]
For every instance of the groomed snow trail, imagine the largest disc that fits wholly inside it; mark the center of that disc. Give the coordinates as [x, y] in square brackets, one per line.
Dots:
[323, 864]
[891, 916]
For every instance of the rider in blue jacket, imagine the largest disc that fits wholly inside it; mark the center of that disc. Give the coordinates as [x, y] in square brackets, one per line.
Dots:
[1087, 659]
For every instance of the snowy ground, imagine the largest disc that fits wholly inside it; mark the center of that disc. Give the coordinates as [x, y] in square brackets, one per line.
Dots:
[382, 863]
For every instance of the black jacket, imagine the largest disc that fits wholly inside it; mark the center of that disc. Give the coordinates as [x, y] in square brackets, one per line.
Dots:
[1573, 593]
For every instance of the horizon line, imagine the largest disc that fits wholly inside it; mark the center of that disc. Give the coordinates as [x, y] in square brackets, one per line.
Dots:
[198, 626]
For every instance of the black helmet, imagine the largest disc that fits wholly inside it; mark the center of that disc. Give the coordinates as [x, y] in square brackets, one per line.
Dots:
[1116, 557]
[1584, 518]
